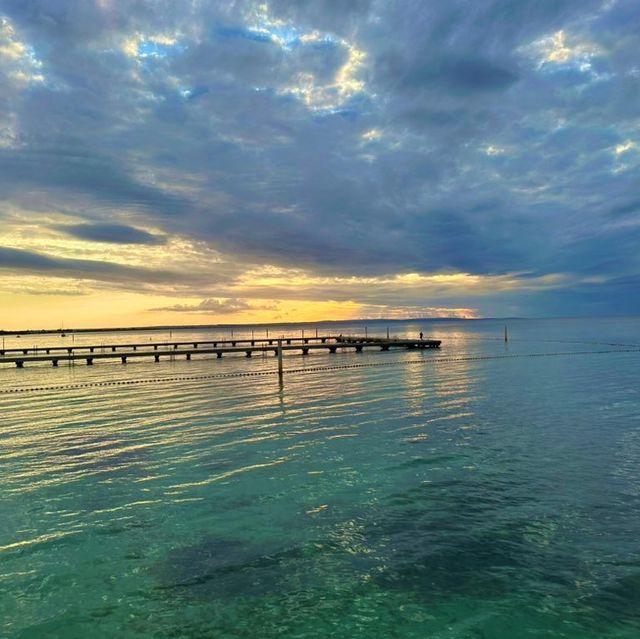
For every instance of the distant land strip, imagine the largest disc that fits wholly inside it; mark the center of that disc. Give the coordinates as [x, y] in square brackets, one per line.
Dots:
[186, 327]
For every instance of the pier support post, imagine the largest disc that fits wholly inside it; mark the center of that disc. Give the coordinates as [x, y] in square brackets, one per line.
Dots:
[280, 371]
[305, 351]
[188, 355]
[54, 362]
[219, 355]
[332, 349]
[19, 364]
[156, 357]
[248, 353]
[124, 359]
[89, 361]
[359, 348]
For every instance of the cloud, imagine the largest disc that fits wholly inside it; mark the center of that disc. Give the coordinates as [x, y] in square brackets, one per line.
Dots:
[245, 129]
[410, 312]
[64, 173]
[33, 262]
[217, 306]
[113, 233]
[465, 75]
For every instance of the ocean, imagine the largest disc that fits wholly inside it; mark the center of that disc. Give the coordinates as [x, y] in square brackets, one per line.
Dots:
[484, 490]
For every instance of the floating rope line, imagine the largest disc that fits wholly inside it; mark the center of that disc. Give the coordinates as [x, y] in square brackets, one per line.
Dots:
[313, 369]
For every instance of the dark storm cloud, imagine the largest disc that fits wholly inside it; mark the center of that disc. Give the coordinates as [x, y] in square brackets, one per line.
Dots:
[464, 75]
[17, 260]
[64, 172]
[345, 138]
[112, 233]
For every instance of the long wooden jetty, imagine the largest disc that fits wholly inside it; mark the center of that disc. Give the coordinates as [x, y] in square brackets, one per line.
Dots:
[124, 352]
[26, 350]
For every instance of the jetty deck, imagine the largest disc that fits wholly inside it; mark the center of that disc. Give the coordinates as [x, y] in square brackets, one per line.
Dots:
[91, 348]
[171, 350]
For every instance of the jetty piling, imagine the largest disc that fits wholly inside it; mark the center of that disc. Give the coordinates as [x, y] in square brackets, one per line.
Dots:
[280, 372]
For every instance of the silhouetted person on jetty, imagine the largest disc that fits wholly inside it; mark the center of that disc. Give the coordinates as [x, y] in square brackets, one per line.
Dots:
[421, 334]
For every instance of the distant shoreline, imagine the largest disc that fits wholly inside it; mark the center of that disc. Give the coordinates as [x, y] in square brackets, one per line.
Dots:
[185, 327]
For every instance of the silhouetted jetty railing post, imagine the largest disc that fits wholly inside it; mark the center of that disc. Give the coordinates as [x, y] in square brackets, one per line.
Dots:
[124, 352]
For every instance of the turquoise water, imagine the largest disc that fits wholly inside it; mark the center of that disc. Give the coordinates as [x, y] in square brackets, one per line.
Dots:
[470, 492]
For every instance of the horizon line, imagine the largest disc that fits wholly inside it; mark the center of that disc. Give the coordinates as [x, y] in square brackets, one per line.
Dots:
[113, 329]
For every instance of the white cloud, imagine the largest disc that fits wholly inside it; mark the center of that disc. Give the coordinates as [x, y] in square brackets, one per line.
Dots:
[563, 49]
[371, 135]
[17, 57]
[157, 45]
[625, 146]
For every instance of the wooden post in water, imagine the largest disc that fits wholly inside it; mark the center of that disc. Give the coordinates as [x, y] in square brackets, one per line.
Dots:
[506, 336]
[280, 360]
[387, 332]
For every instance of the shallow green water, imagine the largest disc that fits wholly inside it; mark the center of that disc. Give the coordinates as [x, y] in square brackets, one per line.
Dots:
[426, 497]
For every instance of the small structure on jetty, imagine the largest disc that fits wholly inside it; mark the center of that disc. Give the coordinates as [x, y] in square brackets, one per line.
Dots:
[247, 347]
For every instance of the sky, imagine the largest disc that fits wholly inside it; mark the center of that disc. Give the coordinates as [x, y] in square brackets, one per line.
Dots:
[192, 161]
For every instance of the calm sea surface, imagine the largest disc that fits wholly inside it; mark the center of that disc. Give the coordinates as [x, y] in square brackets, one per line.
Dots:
[470, 492]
